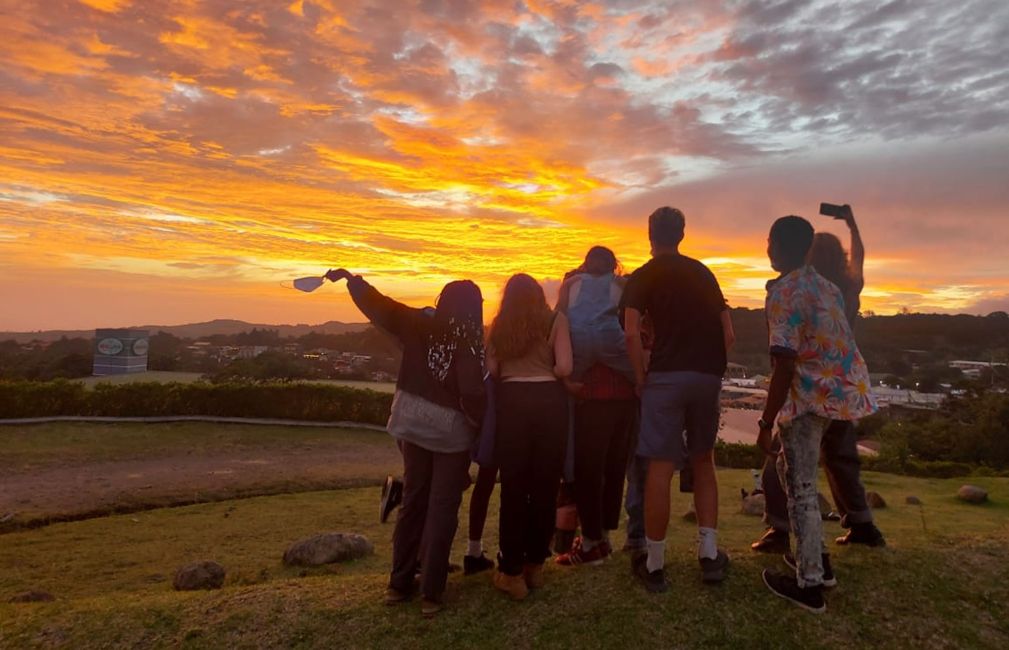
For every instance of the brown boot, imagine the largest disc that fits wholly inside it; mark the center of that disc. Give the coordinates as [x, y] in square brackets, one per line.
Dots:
[533, 575]
[514, 586]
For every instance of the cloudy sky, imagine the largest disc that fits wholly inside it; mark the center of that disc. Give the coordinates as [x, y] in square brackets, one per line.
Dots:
[181, 160]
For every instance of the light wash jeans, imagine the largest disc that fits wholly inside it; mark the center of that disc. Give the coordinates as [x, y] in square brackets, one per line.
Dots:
[797, 466]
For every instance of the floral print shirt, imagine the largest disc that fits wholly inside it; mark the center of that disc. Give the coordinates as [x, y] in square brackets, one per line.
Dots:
[806, 321]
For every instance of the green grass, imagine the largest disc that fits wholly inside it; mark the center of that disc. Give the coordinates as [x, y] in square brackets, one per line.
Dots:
[41, 446]
[943, 581]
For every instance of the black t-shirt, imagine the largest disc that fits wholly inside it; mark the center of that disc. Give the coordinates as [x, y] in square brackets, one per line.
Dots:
[685, 304]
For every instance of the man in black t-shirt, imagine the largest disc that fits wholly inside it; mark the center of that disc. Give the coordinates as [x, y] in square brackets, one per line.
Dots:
[680, 390]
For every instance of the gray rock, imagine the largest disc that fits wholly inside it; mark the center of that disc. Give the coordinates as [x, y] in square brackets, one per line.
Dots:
[912, 500]
[825, 505]
[876, 500]
[327, 548]
[753, 505]
[972, 494]
[32, 596]
[199, 575]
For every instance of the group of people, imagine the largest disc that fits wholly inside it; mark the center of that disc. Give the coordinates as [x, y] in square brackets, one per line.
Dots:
[621, 378]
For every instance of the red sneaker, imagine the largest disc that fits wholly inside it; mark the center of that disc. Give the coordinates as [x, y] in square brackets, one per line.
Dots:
[578, 555]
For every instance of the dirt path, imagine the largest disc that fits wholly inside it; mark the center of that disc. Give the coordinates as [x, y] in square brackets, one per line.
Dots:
[92, 488]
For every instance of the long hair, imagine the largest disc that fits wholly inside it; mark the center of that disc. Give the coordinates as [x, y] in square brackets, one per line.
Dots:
[600, 261]
[458, 327]
[829, 259]
[523, 319]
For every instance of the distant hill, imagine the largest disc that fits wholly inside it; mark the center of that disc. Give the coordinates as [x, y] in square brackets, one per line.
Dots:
[197, 330]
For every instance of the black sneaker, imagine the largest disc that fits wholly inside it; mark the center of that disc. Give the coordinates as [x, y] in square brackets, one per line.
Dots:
[809, 598]
[713, 570]
[654, 581]
[473, 565]
[829, 580]
[773, 541]
[866, 534]
[392, 496]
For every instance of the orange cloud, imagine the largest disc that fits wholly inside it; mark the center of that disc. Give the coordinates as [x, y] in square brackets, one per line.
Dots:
[204, 150]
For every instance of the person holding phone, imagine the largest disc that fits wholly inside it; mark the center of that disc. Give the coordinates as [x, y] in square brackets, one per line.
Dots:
[439, 401]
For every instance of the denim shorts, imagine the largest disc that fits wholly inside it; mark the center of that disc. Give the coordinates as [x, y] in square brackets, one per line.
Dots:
[680, 412]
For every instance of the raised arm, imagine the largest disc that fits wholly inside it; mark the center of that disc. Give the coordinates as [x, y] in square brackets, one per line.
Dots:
[857, 262]
[383, 311]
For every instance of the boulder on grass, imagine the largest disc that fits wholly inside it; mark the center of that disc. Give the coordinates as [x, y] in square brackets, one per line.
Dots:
[972, 494]
[199, 575]
[876, 500]
[913, 500]
[32, 596]
[753, 505]
[327, 548]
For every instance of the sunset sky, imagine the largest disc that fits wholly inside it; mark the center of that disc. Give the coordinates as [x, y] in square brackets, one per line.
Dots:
[173, 161]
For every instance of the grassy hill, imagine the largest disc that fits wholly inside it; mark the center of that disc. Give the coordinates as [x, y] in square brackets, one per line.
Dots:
[943, 582]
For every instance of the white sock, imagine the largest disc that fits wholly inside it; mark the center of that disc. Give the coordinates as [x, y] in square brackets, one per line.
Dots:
[589, 544]
[656, 554]
[707, 543]
[475, 548]
[606, 536]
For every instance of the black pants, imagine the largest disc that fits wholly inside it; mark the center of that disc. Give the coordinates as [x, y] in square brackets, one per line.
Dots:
[479, 501]
[532, 429]
[433, 484]
[839, 455]
[602, 442]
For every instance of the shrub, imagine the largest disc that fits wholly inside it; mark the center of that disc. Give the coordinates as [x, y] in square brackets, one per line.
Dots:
[738, 455]
[287, 401]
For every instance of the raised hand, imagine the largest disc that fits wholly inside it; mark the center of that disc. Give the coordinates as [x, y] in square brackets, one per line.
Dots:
[848, 216]
[335, 275]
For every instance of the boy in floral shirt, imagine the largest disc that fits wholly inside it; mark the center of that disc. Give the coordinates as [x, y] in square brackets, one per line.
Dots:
[819, 375]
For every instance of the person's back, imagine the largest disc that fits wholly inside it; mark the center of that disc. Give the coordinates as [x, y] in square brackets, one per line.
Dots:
[594, 301]
[805, 312]
[593, 317]
[685, 304]
[680, 390]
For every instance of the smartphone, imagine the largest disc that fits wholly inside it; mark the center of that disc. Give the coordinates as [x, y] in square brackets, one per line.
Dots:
[832, 210]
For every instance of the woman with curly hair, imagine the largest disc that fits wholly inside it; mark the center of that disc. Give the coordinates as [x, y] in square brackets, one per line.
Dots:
[529, 350]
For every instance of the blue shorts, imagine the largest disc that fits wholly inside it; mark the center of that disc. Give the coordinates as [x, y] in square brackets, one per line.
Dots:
[680, 412]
